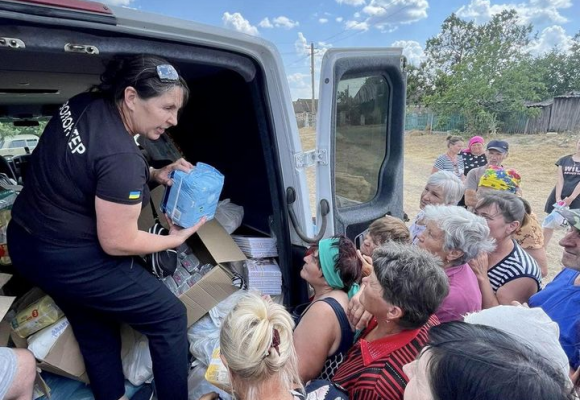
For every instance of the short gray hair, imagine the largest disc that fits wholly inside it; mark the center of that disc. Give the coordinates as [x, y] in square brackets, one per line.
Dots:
[452, 186]
[462, 231]
[412, 279]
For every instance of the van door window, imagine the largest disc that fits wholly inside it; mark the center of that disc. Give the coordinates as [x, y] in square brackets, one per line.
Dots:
[17, 143]
[32, 143]
[361, 140]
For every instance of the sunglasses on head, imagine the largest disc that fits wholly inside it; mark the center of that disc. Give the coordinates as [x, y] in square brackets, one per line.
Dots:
[167, 73]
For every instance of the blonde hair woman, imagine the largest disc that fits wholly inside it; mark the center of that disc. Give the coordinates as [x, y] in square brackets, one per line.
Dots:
[257, 348]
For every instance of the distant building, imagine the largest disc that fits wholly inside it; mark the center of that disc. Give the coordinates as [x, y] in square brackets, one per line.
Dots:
[303, 112]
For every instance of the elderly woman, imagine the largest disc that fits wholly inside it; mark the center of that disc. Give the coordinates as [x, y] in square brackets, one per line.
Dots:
[455, 236]
[474, 154]
[403, 292]
[442, 188]
[323, 334]
[509, 273]
[451, 161]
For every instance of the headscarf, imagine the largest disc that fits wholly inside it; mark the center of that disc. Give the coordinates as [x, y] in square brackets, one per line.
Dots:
[472, 141]
[328, 253]
[498, 178]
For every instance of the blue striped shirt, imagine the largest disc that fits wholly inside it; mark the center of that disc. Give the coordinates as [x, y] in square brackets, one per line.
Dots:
[517, 264]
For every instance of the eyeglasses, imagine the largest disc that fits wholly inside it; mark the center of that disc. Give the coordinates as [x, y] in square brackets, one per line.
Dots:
[487, 217]
[167, 73]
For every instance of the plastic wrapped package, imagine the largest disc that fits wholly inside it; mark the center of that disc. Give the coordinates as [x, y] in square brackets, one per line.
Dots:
[171, 285]
[229, 215]
[180, 275]
[217, 374]
[190, 262]
[193, 195]
[205, 268]
[42, 341]
[38, 315]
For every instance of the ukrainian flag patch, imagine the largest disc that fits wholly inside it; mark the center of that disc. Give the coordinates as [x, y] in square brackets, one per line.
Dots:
[134, 195]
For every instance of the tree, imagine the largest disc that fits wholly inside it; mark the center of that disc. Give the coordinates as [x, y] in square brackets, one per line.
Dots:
[480, 71]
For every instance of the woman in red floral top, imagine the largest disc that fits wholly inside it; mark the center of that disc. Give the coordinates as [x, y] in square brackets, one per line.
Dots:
[403, 292]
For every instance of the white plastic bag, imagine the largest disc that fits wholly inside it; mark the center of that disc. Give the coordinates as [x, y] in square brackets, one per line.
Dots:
[198, 386]
[229, 215]
[204, 335]
[555, 220]
[137, 364]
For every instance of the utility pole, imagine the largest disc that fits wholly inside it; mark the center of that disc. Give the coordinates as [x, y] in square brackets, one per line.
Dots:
[312, 74]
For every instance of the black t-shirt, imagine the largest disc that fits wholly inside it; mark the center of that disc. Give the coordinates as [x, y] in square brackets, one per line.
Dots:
[85, 151]
[471, 161]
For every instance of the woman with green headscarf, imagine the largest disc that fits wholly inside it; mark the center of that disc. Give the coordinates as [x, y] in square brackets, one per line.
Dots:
[323, 334]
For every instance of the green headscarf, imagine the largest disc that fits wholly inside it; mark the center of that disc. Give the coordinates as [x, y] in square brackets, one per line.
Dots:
[328, 253]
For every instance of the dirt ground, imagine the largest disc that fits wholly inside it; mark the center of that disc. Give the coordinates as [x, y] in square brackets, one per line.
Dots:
[532, 155]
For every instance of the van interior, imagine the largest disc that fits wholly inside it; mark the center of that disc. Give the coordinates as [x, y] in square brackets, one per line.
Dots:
[226, 122]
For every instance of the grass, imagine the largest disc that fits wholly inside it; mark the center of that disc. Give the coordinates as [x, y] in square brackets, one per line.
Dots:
[533, 156]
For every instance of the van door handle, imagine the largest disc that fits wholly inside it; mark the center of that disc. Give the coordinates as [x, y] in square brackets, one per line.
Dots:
[324, 210]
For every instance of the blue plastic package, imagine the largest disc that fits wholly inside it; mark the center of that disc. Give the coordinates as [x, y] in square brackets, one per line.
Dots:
[193, 195]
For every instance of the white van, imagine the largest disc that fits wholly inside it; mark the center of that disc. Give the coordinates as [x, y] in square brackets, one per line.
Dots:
[16, 145]
[239, 118]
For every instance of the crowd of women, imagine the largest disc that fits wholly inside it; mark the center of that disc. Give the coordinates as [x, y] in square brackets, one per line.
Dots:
[438, 311]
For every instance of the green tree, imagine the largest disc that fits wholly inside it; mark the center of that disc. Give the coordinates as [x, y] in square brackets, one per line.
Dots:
[480, 71]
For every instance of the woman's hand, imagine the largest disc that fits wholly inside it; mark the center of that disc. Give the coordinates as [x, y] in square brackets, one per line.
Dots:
[479, 265]
[184, 233]
[210, 396]
[161, 175]
[568, 200]
[367, 263]
[357, 315]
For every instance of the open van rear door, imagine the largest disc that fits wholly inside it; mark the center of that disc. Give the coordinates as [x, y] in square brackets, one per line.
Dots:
[360, 130]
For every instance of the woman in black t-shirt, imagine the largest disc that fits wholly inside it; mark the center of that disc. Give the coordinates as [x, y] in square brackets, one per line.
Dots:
[74, 226]
[567, 189]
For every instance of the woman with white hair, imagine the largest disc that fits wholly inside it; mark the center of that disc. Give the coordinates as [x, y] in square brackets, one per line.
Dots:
[455, 236]
[442, 188]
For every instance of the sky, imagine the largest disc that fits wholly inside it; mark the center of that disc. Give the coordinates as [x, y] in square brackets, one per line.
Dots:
[293, 24]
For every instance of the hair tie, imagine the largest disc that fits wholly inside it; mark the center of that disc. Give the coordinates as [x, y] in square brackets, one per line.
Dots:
[275, 343]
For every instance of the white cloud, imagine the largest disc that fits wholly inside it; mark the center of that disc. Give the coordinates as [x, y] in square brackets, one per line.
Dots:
[237, 22]
[284, 22]
[323, 20]
[533, 11]
[339, 19]
[301, 45]
[265, 23]
[551, 37]
[386, 14]
[118, 2]
[357, 26]
[352, 2]
[412, 50]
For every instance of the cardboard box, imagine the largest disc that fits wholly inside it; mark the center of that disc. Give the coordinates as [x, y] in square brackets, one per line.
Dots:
[41, 387]
[64, 358]
[213, 245]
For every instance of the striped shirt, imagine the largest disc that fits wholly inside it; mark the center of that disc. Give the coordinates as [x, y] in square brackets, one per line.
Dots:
[374, 370]
[444, 163]
[517, 264]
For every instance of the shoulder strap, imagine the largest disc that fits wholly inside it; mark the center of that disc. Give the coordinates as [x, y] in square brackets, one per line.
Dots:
[347, 333]
[153, 211]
